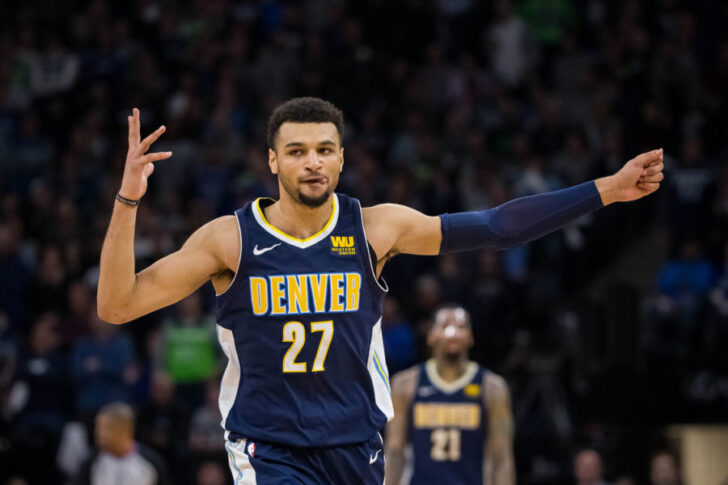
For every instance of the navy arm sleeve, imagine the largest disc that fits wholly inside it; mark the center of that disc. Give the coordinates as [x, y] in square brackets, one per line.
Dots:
[518, 221]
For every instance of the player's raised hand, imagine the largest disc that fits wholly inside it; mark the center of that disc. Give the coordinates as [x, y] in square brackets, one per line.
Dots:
[637, 178]
[139, 164]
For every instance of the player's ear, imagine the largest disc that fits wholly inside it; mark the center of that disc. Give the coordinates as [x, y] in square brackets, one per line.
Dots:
[341, 157]
[272, 161]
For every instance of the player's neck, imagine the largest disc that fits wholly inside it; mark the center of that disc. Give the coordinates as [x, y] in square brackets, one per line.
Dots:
[298, 220]
[451, 371]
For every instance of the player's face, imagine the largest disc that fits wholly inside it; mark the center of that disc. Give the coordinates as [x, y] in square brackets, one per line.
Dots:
[450, 335]
[308, 158]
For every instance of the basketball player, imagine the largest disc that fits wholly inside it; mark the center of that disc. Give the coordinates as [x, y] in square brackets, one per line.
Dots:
[456, 414]
[299, 292]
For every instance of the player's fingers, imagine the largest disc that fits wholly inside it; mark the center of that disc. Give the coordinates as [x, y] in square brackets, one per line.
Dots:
[153, 157]
[647, 158]
[154, 136]
[136, 115]
[658, 159]
[652, 178]
[648, 186]
[132, 138]
[654, 169]
[148, 170]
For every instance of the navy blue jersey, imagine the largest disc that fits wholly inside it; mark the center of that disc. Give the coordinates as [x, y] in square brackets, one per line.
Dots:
[301, 327]
[448, 427]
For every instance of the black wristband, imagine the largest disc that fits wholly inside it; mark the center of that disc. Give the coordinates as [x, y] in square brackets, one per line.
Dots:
[124, 200]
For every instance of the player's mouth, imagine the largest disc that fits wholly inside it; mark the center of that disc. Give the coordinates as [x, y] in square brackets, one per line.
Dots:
[315, 181]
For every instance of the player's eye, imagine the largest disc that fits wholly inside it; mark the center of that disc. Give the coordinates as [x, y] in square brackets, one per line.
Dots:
[325, 151]
[296, 153]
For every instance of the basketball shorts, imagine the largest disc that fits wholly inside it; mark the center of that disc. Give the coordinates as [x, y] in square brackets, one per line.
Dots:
[262, 463]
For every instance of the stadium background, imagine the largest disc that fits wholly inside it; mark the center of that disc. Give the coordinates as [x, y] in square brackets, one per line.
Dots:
[607, 331]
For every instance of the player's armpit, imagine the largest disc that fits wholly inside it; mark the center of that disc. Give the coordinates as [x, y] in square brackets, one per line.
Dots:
[499, 463]
[392, 229]
[403, 390]
[212, 249]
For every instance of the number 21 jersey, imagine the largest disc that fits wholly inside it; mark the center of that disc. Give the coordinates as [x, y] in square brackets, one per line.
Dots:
[448, 427]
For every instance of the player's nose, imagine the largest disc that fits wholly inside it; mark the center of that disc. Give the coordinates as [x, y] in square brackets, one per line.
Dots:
[313, 161]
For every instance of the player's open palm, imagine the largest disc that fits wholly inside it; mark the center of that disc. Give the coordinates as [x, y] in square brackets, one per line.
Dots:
[640, 176]
[139, 164]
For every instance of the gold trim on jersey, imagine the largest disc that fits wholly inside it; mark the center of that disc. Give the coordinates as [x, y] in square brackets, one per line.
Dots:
[313, 239]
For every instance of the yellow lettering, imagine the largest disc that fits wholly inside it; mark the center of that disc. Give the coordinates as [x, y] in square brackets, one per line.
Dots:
[337, 291]
[353, 285]
[342, 241]
[319, 284]
[259, 295]
[434, 415]
[297, 294]
[277, 293]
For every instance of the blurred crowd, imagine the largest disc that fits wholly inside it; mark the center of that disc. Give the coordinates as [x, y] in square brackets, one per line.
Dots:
[449, 105]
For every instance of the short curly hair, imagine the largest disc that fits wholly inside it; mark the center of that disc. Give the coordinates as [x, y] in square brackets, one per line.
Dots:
[304, 110]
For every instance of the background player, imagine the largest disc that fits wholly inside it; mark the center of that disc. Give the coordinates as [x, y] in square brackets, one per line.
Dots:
[267, 266]
[456, 414]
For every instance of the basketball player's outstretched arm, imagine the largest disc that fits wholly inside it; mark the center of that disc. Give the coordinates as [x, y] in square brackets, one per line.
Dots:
[393, 229]
[499, 465]
[124, 294]
[403, 391]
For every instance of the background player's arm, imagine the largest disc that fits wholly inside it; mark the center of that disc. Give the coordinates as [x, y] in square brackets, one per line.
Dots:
[124, 295]
[393, 229]
[403, 390]
[499, 468]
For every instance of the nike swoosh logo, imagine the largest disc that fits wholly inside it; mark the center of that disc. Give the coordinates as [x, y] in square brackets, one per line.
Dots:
[426, 391]
[372, 459]
[258, 252]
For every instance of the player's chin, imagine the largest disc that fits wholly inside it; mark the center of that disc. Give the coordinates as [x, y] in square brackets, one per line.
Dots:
[314, 198]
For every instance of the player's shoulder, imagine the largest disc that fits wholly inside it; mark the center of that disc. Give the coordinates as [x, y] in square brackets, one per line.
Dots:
[376, 215]
[495, 386]
[220, 237]
[405, 381]
[221, 231]
[379, 213]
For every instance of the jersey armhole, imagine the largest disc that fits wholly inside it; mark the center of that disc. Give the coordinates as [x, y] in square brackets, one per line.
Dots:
[238, 216]
[370, 259]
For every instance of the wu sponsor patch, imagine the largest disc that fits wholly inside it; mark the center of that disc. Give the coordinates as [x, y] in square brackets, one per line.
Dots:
[472, 390]
[343, 245]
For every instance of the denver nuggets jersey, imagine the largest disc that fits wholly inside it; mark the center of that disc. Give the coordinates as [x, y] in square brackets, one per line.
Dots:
[301, 327]
[448, 427]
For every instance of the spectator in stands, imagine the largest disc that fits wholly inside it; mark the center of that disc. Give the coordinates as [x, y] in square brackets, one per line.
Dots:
[664, 469]
[15, 273]
[211, 473]
[684, 283]
[588, 468]
[204, 435]
[39, 396]
[163, 422]
[189, 348]
[119, 459]
[101, 367]
[398, 336]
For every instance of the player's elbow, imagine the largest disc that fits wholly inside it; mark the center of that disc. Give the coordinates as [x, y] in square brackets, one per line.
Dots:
[109, 314]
